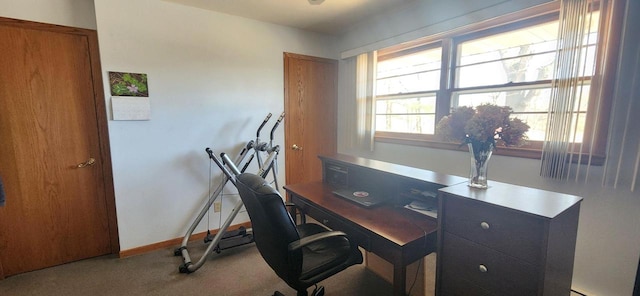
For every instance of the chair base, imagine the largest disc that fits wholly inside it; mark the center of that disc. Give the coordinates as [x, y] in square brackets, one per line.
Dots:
[318, 291]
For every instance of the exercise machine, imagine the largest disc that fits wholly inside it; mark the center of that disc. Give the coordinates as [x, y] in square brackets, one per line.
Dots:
[227, 239]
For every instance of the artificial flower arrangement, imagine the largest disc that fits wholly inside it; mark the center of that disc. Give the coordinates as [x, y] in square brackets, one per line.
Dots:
[482, 128]
[487, 124]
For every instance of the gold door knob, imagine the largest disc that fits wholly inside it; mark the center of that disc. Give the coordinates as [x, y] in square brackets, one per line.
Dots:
[296, 147]
[87, 163]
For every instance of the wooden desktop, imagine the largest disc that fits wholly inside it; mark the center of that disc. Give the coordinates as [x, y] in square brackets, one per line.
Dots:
[398, 235]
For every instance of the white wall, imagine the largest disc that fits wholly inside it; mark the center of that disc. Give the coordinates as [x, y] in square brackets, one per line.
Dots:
[608, 243]
[212, 79]
[422, 18]
[73, 13]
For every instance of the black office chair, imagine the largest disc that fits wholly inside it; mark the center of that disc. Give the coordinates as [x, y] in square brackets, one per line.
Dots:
[301, 255]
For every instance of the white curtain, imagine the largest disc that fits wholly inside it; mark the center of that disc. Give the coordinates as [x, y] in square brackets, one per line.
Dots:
[365, 107]
[565, 158]
[567, 86]
[356, 109]
[623, 149]
[347, 119]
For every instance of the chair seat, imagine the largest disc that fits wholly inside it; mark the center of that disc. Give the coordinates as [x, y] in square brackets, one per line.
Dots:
[319, 256]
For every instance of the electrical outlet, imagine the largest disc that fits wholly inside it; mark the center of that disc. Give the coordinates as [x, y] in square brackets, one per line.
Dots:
[217, 207]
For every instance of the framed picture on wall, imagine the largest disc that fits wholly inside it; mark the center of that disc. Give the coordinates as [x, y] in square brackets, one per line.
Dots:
[128, 84]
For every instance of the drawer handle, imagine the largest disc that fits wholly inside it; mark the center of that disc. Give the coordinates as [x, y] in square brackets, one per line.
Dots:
[482, 268]
[484, 225]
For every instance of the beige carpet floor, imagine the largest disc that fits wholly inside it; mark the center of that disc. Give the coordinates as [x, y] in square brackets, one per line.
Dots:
[236, 271]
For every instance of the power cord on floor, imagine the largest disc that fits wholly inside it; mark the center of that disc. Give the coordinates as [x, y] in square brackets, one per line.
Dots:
[415, 279]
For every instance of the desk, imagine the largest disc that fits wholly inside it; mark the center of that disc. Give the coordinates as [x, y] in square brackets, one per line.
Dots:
[396, 234]
[524, 227]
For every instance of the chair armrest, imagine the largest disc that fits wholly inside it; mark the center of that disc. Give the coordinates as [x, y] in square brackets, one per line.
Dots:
[314, 238]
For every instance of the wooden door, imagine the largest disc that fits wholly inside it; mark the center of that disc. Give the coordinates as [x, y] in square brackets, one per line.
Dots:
[310, 107]
[51, 107]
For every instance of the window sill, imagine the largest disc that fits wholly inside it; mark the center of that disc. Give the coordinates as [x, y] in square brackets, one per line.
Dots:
[426, 141]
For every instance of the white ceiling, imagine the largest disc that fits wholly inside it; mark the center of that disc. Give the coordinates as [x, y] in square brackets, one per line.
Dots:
[330, 16]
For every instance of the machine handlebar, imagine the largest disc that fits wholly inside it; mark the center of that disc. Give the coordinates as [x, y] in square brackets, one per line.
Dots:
[276, 125]
[262, 125]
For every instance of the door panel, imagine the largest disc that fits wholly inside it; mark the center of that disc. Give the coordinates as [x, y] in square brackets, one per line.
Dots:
[310, 105]
[55, 212]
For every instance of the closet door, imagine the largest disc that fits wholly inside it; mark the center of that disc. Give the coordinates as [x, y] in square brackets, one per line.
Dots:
[52, 156]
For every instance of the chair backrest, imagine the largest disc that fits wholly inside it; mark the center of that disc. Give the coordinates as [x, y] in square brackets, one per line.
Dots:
[273, 227]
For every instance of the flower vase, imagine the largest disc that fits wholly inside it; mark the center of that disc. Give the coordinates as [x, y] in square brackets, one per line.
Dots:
[480, 154]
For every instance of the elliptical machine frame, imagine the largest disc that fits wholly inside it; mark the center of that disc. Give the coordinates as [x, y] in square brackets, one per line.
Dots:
[223, 239]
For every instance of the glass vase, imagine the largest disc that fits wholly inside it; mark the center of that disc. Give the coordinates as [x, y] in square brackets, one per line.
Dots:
[480, 154]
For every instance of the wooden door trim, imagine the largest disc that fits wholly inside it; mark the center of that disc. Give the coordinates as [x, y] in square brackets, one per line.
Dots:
[285, 77]
[310, 58]
[105, 147]
[101, 115]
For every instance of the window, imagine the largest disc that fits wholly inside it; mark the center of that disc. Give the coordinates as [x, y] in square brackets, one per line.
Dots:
[508, 63]
[514, 68]
[406, 86]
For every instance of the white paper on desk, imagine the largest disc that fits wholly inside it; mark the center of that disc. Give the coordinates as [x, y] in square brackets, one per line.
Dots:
[131, 108]
[430, 213]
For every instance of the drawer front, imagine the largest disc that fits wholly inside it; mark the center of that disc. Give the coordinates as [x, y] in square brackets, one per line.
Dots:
[457, 286]
[485, 268]
[334, 223]
[504, 230]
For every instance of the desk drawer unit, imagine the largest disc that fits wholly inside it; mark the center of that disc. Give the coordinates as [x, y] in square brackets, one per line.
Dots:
[487, 268]
[457, 286]
[497, 228]
[505, 240]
